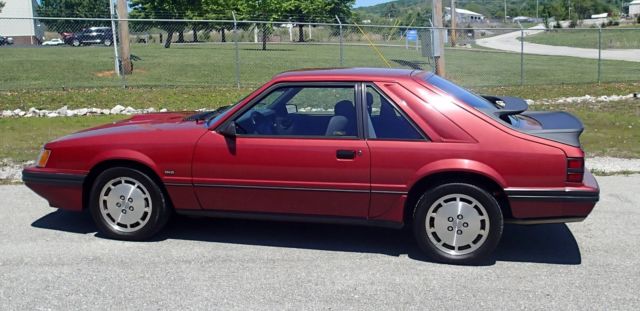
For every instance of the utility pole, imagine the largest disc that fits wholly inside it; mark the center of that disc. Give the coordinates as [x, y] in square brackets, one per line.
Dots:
[437, 23]
[537, 6]
[123, 30]
[453, 23]
[505, 11]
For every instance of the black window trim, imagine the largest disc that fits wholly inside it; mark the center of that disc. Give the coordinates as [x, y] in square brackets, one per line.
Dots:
[358, 103]
[363, 96]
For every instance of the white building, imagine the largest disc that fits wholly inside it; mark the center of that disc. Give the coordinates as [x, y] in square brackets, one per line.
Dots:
[465, 16]
[634, 8]
[23, 31]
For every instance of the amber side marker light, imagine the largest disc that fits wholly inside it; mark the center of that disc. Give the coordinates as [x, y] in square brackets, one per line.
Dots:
[43, 158]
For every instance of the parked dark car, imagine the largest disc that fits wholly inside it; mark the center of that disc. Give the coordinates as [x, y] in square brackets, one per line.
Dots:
[5, 40]
[92, 35]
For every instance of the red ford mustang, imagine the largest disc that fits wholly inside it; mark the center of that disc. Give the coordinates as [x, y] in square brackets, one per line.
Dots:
[382, 147]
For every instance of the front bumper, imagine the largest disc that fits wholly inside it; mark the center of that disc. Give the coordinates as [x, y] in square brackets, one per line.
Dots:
[556, 205]
[62, 190]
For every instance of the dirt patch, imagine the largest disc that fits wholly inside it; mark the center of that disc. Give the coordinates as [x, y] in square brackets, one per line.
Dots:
[112, 73]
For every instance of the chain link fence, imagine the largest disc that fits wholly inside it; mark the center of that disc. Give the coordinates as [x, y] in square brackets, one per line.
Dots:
[83, 53]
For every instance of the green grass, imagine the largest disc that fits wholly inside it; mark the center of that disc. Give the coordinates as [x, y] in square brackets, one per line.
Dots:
[208, 65]
[612, 129]
[22, 138]
[190, 98]
[173, 98]
[612, 38]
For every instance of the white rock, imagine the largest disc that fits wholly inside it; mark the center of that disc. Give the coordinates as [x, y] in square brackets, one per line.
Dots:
[129, 110]
[82, 111]
[117, 109]
[62, 111]
[105, 111]
[21, 113]
[7, 113]
[70, 113]
[52, 114]
[17, 112]
[163, 110]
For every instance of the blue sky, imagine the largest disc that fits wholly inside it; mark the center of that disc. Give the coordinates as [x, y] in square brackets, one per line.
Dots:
[369, 2]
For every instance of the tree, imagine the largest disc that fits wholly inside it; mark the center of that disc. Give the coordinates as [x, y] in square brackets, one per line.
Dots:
[1, 5]
[220, 10]
[166, 9]
[73, 8]
[315, 11]
[265, 10]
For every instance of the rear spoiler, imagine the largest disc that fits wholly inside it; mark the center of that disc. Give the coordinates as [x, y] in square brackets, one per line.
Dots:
[508, 105]
[559, 126]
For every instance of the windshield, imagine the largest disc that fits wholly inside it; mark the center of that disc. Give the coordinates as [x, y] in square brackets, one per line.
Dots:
[460, 93]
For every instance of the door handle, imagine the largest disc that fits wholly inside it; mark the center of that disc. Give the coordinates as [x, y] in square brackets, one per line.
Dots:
[346, 154]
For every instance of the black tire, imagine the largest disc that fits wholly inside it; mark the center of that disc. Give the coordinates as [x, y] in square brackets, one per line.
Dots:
[154, 221]
[107, 42]
[76, 42]
[433, 200]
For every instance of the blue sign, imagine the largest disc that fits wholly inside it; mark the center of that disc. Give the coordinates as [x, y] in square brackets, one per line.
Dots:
[412, 35]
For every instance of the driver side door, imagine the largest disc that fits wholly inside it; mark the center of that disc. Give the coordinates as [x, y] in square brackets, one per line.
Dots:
[298, 150]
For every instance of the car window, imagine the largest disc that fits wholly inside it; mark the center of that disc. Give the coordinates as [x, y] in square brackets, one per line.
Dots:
[385, 120]
[460, 93]
[317, 111]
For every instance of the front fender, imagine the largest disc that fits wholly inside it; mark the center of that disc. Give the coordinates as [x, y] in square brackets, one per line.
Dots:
[124, 154]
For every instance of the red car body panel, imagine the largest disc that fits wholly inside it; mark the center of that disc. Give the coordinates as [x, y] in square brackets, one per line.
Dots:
[203, 170]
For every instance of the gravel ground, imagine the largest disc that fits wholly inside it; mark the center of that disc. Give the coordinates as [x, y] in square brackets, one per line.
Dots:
[54, 260]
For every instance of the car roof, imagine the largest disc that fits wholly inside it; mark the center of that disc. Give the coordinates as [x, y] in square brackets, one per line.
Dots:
[356, 73]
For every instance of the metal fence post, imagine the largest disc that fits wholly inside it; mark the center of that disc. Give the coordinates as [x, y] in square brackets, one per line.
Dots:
[115, 41]
[521, 54]
[599, 51]
[341, 52]
[235, 43]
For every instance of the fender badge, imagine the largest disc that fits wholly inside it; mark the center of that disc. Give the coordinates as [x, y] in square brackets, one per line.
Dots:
[168, 172]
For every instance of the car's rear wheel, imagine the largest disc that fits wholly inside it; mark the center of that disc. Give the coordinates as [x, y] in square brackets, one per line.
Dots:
[107, 42]
[75, 42]
[127, 204]
[457, 223]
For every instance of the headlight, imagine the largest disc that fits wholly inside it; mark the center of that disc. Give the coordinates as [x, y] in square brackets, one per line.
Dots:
[43, 158]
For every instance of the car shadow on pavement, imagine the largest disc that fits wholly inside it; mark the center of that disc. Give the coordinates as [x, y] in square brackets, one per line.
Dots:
[552, 244]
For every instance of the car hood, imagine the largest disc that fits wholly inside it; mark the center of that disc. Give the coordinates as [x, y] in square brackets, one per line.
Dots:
[141, 126]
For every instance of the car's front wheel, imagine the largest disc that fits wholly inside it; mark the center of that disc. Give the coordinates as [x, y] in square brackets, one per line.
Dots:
[457, 223]
[75, 42]
[107, 42]
[127, 204]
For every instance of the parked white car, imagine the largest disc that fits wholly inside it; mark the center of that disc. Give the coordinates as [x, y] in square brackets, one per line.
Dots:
[53, 42]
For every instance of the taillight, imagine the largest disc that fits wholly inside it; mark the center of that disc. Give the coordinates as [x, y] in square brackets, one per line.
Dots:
[575, 169]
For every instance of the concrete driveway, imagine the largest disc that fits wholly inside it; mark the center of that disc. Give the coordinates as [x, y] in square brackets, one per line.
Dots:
[510, 42]
[54, 260]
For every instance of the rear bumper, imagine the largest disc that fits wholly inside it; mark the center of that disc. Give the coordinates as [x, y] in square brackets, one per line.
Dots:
[534, 206]
[62, 190]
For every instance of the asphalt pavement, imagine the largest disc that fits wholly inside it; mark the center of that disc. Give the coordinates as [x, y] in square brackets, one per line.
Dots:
[511, 42]
[55, 260]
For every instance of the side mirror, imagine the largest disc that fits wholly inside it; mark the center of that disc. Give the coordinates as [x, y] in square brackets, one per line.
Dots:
[229, 130]
[291, 108]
